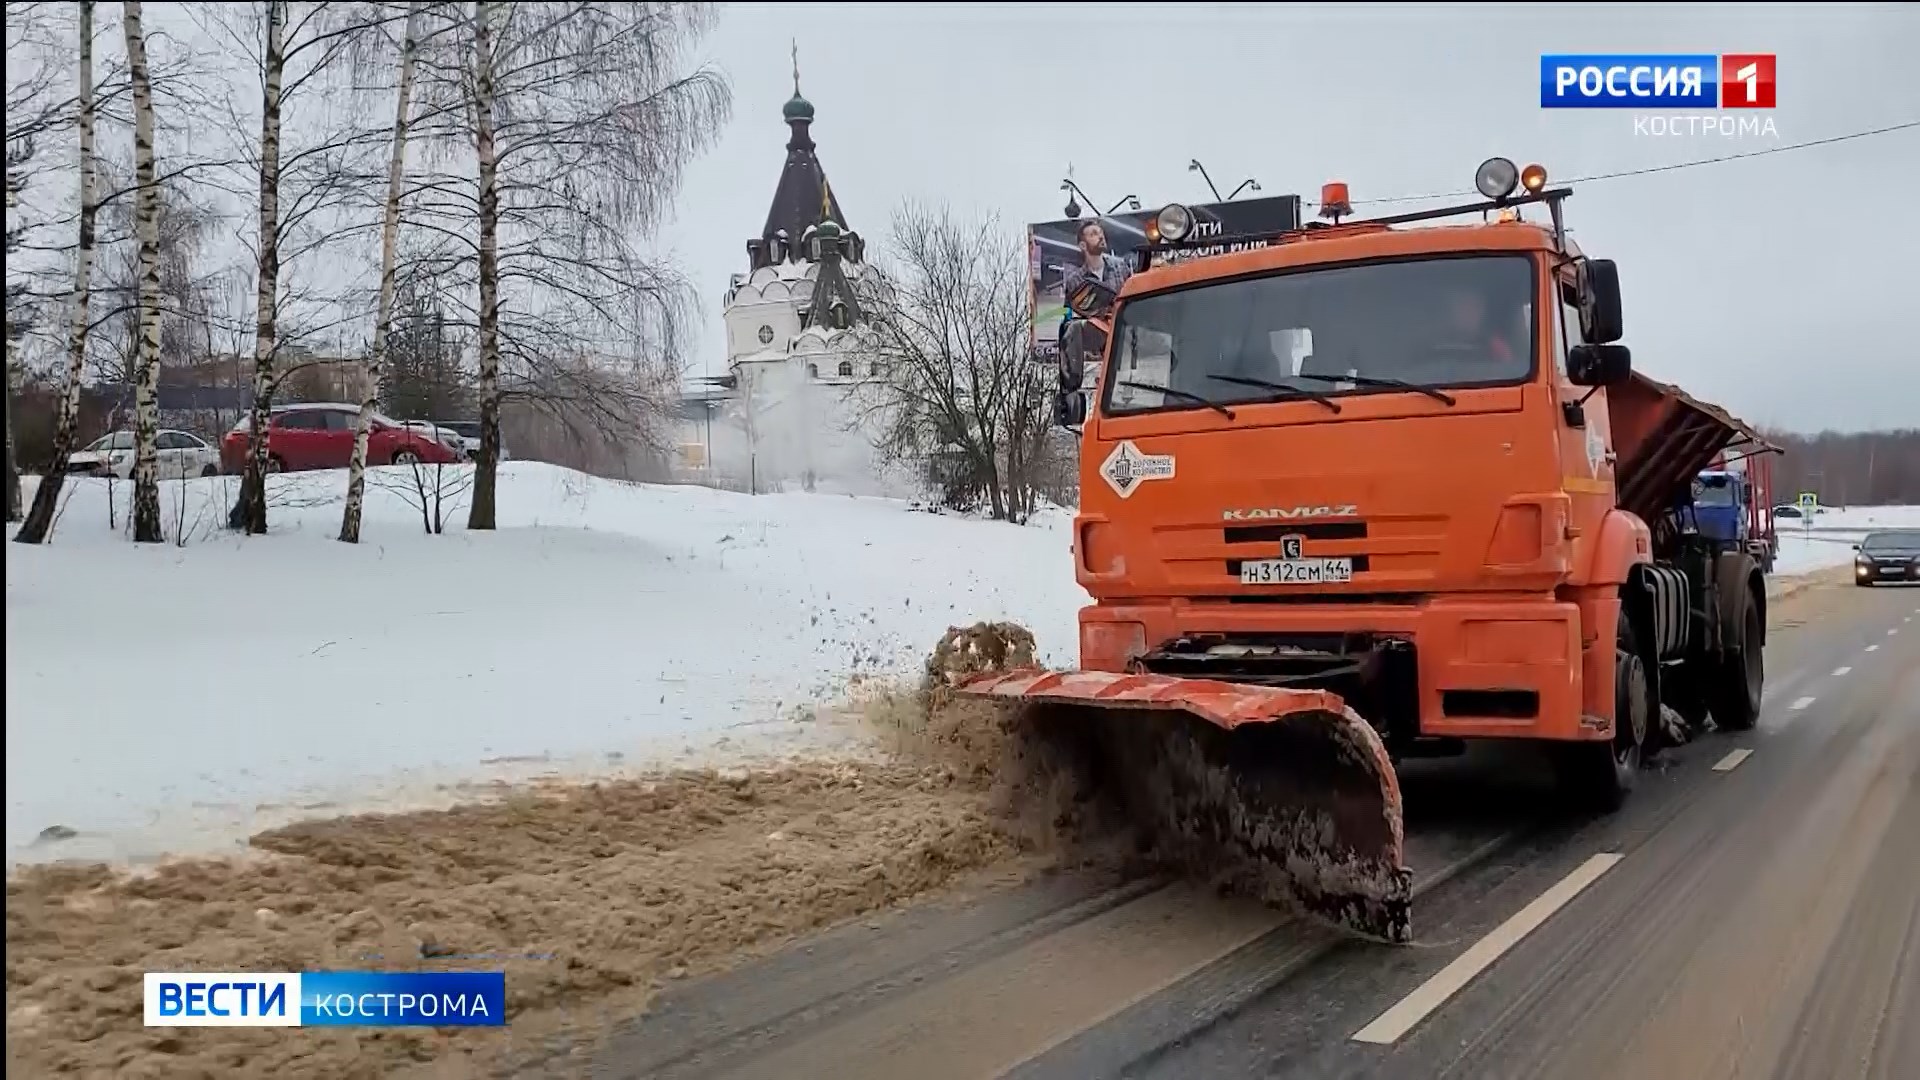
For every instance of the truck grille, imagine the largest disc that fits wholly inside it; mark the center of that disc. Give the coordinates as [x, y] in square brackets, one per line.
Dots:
[1401, 554]
[1312, 530]
[1270, 534]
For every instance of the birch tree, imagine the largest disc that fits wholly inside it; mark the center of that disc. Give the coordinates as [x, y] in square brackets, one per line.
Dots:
[296, 48]
[581, 118]
[146, 413]
[33, 114]
[383, 316]
[251, 510]
[14, 333]
[482, 513]
[46, 499]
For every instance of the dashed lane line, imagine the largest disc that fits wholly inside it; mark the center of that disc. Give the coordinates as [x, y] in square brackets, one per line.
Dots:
[1450, 980]
[1839, 671]
[1732, 760]
[1873, 648]
[1801, 704]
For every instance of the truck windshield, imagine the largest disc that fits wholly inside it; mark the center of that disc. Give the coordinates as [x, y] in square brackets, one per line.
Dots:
[1713, 492]
[1431, 322]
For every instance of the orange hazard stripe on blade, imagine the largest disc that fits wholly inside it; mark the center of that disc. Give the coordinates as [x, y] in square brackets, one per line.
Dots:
[1225, 704]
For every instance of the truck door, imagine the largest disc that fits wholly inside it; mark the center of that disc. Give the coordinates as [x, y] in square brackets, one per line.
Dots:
[1586, 443]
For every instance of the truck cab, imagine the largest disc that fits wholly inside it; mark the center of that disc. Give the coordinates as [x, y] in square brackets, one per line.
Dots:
[1412, 466]
[1720, 500]
[1731, 505]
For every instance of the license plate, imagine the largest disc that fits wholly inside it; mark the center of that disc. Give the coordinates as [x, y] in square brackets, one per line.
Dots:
[1296, 571]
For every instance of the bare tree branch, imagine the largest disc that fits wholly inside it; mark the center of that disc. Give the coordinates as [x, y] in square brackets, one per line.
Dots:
[958, 395]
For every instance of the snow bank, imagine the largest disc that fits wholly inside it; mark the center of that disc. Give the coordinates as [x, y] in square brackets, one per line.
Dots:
[166, 697]
[180, 696]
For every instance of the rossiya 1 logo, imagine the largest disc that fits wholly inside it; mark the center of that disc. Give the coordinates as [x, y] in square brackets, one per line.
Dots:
[1730, 95]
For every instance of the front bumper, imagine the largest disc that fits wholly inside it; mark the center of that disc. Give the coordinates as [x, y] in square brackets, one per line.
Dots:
[1470, 652]
[1878, 572]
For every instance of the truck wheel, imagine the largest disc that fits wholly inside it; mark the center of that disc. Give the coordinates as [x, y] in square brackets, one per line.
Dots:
[1600, 775]
[1740, 677]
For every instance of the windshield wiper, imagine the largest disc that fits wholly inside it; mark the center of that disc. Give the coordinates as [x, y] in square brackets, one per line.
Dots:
[1181, 394]
[1368, 380]
[1265, 384]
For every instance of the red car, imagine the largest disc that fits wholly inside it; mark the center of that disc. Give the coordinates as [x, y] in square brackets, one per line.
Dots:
[320, 436]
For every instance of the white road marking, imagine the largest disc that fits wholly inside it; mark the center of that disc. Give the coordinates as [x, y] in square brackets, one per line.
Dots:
[1873, 648]
[1732, 760]
[1433, 993]
[1839, 671]
[1801, 704]
[1894, 631]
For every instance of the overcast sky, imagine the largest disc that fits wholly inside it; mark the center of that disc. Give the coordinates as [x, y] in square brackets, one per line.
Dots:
[1781, 287]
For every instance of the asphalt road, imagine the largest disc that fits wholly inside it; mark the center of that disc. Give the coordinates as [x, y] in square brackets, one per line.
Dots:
[1754, 911]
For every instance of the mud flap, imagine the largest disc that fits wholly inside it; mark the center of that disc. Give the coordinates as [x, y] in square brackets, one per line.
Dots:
[1281, 793]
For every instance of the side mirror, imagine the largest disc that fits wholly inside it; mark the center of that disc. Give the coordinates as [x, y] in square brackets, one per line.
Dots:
[1599, 365]
[1598, 283]
[1090, 299]
[1069, 408]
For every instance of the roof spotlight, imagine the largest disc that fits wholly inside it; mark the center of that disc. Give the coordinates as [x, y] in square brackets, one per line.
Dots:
[1175, 222]
[1496, 178]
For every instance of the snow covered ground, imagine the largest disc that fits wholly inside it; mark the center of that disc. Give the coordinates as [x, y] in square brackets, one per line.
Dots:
[1827, 539]
[179, 696]
[176, 697]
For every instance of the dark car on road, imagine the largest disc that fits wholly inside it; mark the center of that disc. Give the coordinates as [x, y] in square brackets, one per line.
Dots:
[1888, 555]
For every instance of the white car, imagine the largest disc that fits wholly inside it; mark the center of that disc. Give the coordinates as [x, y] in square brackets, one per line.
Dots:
[445, 436]
[178, 454]
[468, 432]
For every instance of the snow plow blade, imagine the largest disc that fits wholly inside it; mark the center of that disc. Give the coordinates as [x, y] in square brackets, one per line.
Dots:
[1281, 792]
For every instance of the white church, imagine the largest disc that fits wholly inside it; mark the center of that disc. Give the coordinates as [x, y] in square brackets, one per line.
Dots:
[788, 414]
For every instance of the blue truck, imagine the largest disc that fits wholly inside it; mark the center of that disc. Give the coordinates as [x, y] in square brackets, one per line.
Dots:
[1728, 510]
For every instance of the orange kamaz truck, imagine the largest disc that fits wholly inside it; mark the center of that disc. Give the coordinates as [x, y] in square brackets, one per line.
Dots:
[1370, 489]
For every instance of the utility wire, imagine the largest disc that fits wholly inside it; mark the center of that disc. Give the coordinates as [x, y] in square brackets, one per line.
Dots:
[1658, 168]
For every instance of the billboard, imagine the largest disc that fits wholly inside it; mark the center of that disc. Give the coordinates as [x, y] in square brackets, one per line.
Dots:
[1054, 249]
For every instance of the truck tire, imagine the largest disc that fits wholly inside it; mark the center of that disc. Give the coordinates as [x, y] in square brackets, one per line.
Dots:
[1739, 678]
[1600, 775]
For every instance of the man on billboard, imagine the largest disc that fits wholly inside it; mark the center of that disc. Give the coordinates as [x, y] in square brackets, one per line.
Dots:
[1101, 265]
[1095, 261]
